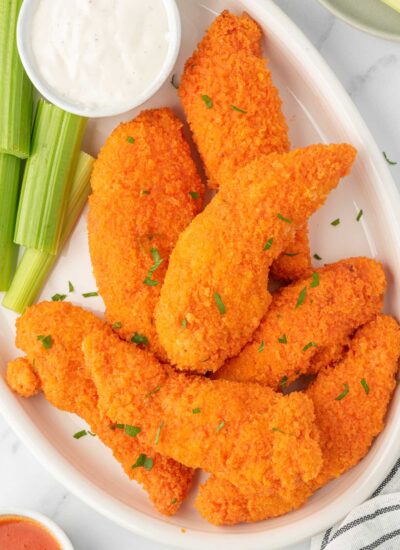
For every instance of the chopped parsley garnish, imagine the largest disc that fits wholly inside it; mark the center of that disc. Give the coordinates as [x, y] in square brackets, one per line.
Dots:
[145, 192]
[359, 215]
[278, 430]
[143, 461]
[220, 426]
[157, 262]
[58, 297]
[131, 430]
[220, 303]
[207, 100]
[336, 222]
[268, 244]
[82, 433]
[70, 287]
[152, 392]
[157, 439]
[315, 280]
[283, 381]
[150, 282]
[117, 325]
[365, 385]
[392, 162]
[130, 139]
[115, 426]
[184, 323]
[139, 339]
[287, 220]
[291, 254]
[197, 410]
[46, 340]
[174, 501]
[302, 297]
[317, 257]
[90, 294]
[261, 346]
[309, 345]
[174, 82]
[283, 340]
[194, 194]
[237, 109]
[343, 394]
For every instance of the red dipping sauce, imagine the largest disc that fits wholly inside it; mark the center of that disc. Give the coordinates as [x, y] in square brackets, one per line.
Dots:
[22, 533]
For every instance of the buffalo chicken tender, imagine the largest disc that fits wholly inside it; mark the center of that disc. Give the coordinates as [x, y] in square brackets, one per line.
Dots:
[207, 424]
[214, 294]
[55, 360]
[295, 261]
[350, 401]
[308, 318]
[145, 192]
[234, 111]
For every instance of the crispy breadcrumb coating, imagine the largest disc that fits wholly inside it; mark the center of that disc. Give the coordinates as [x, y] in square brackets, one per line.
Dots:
[295, 262]
[146, 190]
[66, 385]
[22, 378]
[348, 423]
[214, 294]
[207, 424]
[338, 299]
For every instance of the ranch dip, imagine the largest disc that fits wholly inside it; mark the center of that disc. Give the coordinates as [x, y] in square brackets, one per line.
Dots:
[99, 53]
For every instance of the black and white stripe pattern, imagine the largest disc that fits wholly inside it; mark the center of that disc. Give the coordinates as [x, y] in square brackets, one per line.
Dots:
[373, 524]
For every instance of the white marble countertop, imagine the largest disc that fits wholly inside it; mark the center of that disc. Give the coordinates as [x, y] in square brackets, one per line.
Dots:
[369, 68]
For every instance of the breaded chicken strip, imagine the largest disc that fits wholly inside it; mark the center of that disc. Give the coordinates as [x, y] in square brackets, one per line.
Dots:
[146, 190]
[214, 294]
[307, 317]
[207, 424]
[56, 363]
[295, 262]
[350, 401]
[234, 111]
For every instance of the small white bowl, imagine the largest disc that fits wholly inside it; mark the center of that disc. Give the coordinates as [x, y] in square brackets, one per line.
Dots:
[53, 528]
[27, 58]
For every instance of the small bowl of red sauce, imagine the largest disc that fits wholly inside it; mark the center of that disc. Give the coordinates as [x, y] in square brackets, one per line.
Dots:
[23, 529]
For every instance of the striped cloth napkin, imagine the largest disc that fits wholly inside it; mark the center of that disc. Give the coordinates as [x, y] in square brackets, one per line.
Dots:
[373, 524]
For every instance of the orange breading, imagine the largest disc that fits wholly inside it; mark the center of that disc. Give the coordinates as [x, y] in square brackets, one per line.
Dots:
[66, 385]
[217, 274]
[295, 262]
[228, 68]
[348, 294]
[207, 424]
[145, 192]
[347, 425]
[22, 378]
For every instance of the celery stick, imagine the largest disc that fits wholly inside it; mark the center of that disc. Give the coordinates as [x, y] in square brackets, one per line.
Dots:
[56, 140]
[16, 96]
[10, 170]
[35, 265]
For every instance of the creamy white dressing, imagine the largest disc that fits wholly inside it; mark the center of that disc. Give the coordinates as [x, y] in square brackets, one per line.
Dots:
[99, 53]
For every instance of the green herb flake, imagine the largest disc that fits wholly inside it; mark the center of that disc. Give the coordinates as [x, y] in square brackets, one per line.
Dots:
[174, 501]
[143, 461]
[115, 426]
[80, 434]
[197, 410]
[152, 392]
[157, 439]
[70, 287]
[220, 303]
[47, 341]
[283, 381]
[184, 323]
[261, 346]
[315, 280]
[359, 215]
[174, 82]
[287, 220]
[309, 345]
[291, 254]
[237, 109]
[132, 431]
[139, 339]
[194, 194]
[317, 257]
[268, 244]
[336, 222]
[365, 385]
[150, 282]
[130, 139]
[90, 294]
[301, 298]
[343, 394]
[283, 340]
[157, 262]
[58, 297]
[278, 430]
[145, 192]
[392, 162]
[220, 426]
[117, 325]
[207, 100]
